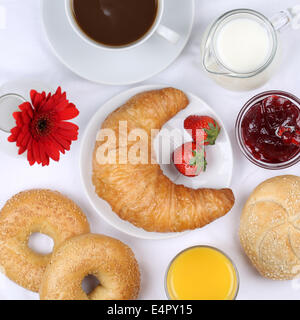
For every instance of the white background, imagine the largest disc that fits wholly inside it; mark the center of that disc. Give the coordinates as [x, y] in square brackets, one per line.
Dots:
[25, 53]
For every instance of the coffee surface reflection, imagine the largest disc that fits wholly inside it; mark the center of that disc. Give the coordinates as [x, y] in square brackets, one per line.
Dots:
[115, 22]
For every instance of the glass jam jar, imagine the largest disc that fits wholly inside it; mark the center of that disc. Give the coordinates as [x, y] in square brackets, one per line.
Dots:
[268, 130]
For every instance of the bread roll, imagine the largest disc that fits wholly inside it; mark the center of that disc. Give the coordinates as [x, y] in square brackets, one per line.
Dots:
[270, 228]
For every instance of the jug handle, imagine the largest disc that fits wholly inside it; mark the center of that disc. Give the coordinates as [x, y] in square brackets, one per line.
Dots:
[288, 17]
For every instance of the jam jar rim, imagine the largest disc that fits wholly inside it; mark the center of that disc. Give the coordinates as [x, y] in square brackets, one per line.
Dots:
[238, 130]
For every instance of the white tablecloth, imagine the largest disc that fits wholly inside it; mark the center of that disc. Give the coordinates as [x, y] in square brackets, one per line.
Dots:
[25, 52]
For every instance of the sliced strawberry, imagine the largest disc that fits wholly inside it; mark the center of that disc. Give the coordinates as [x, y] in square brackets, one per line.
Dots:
[190, 159]
[203, 129]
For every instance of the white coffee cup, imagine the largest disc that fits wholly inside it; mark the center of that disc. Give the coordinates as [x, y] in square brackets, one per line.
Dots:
[165, 32]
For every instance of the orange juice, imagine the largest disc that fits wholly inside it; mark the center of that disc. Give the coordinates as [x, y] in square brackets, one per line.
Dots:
[202, 273]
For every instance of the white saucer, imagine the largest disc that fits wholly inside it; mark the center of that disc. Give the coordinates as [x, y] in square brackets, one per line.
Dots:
[117, 68]
[218, 175]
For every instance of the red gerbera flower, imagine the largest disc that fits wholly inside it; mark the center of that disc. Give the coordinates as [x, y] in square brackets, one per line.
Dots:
[41, 127]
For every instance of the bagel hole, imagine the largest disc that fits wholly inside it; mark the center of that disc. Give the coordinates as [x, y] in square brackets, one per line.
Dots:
[90, 283]
[40, 243]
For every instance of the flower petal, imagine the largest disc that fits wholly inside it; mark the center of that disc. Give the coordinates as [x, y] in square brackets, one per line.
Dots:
[62, 141]
[52, 152]
[67, 134]
[69, 126]
[70, 112]
[56, 145]
[37, 98]
[24, 142]
[36, 151]
[30, 156]
[43, 154]
[18, 118]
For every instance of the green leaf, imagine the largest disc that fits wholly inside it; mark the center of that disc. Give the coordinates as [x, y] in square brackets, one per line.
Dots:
[199, 160]
[212, 133]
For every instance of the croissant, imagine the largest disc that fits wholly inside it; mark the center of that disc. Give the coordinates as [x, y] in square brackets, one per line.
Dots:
[139, 192]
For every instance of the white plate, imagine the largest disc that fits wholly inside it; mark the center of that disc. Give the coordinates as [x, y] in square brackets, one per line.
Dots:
[218, 175]
[117, 68]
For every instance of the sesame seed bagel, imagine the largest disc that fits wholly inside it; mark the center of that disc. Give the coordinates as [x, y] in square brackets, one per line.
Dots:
[108, 259]
[28, 212]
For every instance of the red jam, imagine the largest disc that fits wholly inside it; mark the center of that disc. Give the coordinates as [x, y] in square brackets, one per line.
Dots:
[271, 130]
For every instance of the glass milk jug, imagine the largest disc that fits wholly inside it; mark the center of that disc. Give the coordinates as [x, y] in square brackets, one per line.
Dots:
[241, 50]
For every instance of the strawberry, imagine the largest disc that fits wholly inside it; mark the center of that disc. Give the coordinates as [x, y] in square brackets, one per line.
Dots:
[203, 129]
[190, 159]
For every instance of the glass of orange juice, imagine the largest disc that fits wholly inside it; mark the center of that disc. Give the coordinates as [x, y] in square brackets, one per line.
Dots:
[202, 273]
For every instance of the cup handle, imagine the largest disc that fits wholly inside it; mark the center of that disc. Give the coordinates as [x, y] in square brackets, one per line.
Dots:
[168, 34]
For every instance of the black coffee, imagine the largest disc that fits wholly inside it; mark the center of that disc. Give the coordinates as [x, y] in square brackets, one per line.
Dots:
[115, 22]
